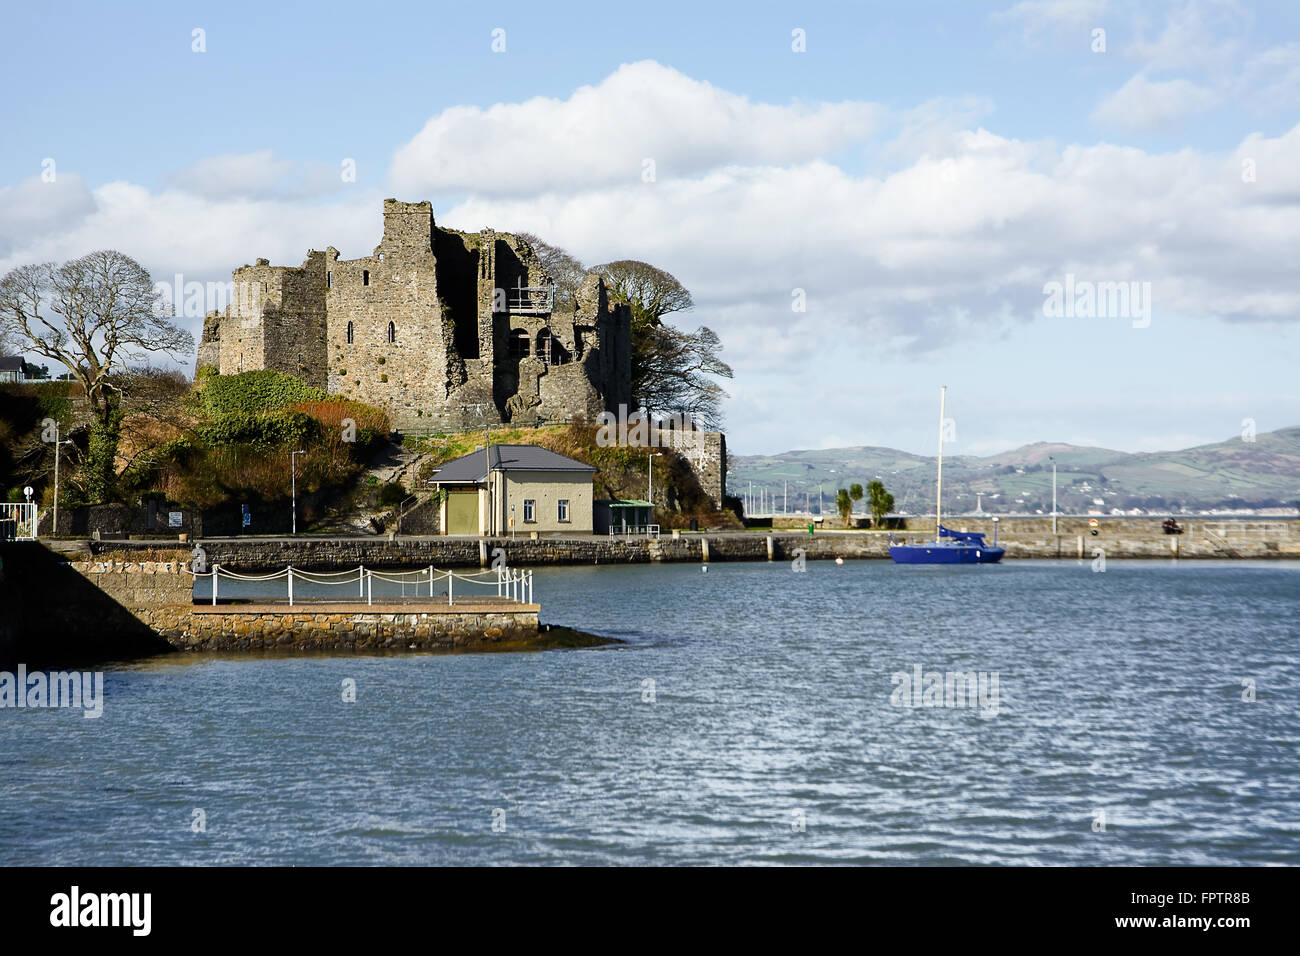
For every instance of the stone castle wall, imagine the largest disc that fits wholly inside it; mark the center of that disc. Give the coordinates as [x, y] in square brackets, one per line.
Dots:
[707, 454]
[467, 344]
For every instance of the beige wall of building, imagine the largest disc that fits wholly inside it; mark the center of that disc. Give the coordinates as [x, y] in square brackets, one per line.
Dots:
[546, 489]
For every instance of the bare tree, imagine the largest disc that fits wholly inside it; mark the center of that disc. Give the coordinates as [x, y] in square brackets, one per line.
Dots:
[565, 271]
[651, 292]
[94, 314]
[672, 370]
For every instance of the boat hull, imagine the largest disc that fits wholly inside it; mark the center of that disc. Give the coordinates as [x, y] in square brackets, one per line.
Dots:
[935, 553]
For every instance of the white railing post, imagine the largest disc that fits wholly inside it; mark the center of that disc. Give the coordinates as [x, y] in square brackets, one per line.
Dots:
[530, 587]
[370, 587]
[450, 599]
[291, 585]
[215, 569]
[431, 580]
[361, 580]
[500, 581]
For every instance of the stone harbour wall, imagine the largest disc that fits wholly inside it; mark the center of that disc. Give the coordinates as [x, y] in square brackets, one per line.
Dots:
[348, 629]
[1119, 538]
[159, 595]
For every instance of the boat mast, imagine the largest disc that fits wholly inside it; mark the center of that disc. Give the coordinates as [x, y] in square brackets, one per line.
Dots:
[938, 503]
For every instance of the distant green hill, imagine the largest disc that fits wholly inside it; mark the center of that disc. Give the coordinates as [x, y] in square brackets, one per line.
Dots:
[1228, 474]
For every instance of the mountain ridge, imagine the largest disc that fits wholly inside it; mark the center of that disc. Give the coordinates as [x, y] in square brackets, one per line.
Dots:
[1235, 474]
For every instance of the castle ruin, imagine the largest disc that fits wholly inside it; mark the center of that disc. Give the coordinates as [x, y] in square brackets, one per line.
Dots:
[442, 328]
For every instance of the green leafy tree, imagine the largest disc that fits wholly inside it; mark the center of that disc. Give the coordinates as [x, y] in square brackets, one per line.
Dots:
[844, 505]
[879, 501]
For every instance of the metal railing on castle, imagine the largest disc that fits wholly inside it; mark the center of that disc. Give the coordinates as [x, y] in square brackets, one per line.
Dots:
[363, 586]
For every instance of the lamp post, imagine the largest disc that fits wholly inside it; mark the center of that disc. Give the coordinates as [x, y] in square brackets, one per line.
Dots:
[293, 480]
[1052, 459]
[54, 528]
[650, 486]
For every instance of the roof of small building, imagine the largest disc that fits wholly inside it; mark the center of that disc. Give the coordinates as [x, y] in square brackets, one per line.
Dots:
[470, 469]
[11, 363]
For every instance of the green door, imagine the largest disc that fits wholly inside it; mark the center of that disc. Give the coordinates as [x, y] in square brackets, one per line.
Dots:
[462, 511]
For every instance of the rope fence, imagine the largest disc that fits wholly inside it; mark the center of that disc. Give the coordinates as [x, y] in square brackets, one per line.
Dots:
[512, 584]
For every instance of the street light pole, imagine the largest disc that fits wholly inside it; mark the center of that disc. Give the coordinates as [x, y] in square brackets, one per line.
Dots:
[650, 490]
[1052, 459]
[55, 529]
[58, 444]
[293, 479]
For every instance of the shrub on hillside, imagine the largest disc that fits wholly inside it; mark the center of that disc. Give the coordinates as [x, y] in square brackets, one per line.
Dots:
[283, 427]
[250, 393]
[369, 424]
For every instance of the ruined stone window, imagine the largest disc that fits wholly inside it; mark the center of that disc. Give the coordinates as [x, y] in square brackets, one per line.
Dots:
[392, 332]
[365, 278]
[329, 280]
[550, 349]
[520, 344]
[349, 333]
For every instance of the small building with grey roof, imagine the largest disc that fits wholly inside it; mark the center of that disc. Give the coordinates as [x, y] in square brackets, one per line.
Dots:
[514, 489]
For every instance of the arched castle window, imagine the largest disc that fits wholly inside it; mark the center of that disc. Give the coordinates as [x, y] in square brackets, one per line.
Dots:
[349, 333]
[520, 344]
[392, 332]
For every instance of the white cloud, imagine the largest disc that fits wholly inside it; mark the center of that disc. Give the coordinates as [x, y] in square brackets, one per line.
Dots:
[256, 175]
[1039, 16]
[1143, 104]
[1199, 61]
[1197, 35]
[35, 208]
[601, 135]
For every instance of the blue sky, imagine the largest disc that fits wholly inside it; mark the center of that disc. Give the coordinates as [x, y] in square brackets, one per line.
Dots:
[919, 171]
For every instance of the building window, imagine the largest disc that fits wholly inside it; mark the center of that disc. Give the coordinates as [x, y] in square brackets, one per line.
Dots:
[520, 343]
[564, 509]
[349, 333]
[530, 510]
[329, 280]
[392, 332]
[549, 348]
[365, 277]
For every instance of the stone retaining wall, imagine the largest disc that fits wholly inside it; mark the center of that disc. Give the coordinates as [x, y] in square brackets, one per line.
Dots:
[159, 594]
[346, 629]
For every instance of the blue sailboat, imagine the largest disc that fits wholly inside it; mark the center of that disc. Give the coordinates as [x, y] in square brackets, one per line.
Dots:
[948, 547]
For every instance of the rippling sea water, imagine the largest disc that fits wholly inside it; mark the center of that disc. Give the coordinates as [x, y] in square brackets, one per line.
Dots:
[771, 737]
